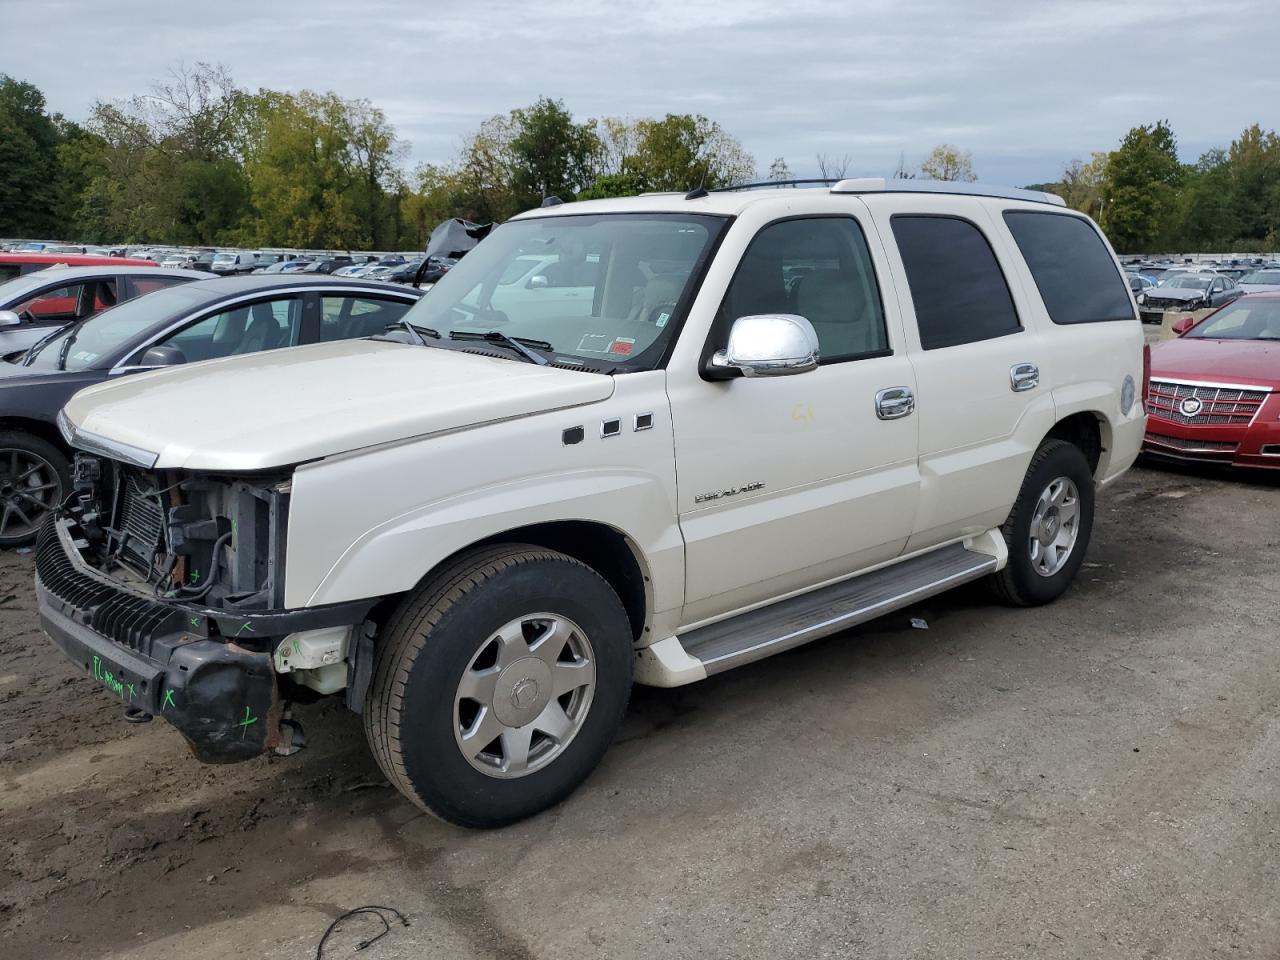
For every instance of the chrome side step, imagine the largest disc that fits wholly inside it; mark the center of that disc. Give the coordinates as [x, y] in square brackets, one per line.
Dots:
[811, 616]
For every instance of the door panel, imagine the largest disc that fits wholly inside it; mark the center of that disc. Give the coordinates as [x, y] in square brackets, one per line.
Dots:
[786, 482]
[977, 433]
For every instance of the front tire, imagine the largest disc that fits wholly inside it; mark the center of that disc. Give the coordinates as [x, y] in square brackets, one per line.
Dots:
[1049, 528]
[499, 685]
[34, 477]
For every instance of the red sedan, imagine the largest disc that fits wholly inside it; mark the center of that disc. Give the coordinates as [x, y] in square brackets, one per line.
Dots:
[1215, 391]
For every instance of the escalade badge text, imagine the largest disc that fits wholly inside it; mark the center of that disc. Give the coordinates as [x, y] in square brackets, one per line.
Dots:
[1191, 406]
[731, 492]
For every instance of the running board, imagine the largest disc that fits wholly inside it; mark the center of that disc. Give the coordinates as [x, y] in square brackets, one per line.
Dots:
[810, 616]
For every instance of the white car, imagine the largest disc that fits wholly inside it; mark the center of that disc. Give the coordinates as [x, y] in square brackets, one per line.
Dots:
[719, 426]
[1260, 281]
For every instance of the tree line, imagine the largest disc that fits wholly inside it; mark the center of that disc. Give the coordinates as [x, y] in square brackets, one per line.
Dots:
[198, 160]
[1148, 201]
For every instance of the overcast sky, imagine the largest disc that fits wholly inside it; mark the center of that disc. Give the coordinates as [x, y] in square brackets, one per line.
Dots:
[1024, 84]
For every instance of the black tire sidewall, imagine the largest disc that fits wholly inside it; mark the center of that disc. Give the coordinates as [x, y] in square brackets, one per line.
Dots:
[435, 766]
[1062, 460]
[20, 440]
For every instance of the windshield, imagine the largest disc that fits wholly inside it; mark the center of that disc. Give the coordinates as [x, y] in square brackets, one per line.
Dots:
[1247, 319]
[223, 257]
[600, 289]
[15, 291]
[1262, 276]
[100, 336]
[1188, 283]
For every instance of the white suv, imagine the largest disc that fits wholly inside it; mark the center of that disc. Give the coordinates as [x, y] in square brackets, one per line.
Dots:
[698, 430]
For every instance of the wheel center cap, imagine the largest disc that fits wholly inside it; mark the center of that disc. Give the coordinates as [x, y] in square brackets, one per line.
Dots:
[523, 691]
[1049, 527]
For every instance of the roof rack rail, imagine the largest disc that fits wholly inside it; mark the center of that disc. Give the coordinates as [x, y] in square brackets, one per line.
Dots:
[881, 185]
[766, 184]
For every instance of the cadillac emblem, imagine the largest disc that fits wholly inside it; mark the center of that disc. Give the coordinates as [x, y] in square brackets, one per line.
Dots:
[1190, 406]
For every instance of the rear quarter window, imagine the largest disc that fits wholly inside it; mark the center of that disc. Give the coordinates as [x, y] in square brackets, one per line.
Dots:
[1073, 270]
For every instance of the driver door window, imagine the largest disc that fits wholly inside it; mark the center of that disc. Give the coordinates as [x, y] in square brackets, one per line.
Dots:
[65, 304]
[265, 325]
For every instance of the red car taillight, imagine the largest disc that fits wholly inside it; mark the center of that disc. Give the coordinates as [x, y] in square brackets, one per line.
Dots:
[1146, 376]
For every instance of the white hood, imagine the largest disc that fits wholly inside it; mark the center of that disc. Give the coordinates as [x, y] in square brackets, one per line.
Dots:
[282, 407]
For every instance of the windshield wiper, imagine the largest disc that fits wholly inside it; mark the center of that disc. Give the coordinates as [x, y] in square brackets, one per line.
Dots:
[66, 344]
[418, 332]
[36, 347]
[520, 345]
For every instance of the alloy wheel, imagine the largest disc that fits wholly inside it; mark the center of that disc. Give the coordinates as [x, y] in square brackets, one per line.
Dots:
[524, 695]
[1055, 526]
[29, 488]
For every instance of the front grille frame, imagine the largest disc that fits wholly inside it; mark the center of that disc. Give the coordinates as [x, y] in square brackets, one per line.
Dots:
[1225, 404]
[1193, 445]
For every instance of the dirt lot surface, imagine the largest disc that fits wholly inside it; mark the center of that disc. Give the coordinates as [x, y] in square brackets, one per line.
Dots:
[1100, 778]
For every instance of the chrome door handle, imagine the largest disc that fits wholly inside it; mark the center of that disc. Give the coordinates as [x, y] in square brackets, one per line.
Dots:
[1024, 376]
[893, 403]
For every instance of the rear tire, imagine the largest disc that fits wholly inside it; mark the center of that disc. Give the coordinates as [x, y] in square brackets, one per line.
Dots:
[34, 477]
[1049, 527]
[499, 684]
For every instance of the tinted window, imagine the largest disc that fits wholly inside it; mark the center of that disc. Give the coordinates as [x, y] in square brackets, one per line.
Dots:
[345, 318]
[1073, 270]
[959, 292]
[266, 325]
[138, 286]
[820, 269]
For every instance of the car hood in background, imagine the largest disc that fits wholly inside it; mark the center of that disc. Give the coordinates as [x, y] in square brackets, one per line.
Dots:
[1218, 361]
[1181, 294]
[283, 407]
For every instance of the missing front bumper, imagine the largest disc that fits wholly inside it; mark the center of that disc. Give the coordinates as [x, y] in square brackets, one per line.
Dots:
[208, 672]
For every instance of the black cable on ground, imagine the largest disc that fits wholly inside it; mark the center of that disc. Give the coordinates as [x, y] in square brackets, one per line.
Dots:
[375, 911]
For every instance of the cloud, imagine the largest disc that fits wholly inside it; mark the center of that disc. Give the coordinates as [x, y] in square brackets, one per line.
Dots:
[1023, 85]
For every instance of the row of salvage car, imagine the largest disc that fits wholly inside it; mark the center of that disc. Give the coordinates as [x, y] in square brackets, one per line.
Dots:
[64, 329]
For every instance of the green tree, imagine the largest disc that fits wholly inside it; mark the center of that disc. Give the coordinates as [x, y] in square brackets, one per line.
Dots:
[30, 171]
[1253, 162]
[1142, 178]
[946, 162]
[550, 154]
[170, 167]
[681, 151]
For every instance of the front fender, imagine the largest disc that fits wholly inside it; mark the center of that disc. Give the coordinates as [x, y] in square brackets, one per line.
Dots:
[375, 523]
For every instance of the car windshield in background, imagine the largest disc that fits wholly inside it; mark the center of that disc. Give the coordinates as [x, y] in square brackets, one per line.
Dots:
[601, 289]
[1262, 276]
[103, 334]
[12, 290]
[1188, 283]
[223, 257]
[1250, 318]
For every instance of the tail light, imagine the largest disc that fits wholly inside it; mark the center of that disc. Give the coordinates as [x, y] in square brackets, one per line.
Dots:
[1146, 375]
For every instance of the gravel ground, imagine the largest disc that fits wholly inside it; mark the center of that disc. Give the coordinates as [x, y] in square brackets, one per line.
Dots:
[1093, 779]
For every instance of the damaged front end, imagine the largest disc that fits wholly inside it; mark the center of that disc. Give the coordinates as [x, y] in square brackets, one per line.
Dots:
[168, 588]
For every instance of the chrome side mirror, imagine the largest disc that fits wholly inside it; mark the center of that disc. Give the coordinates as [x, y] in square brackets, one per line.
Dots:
[769, 345]
[9, 319]
[538, 282]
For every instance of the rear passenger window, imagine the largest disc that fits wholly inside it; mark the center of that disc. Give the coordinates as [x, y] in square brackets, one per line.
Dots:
[347, 317]
[1077, 279]
[958, 289]
[820, 269]
[140, 286]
